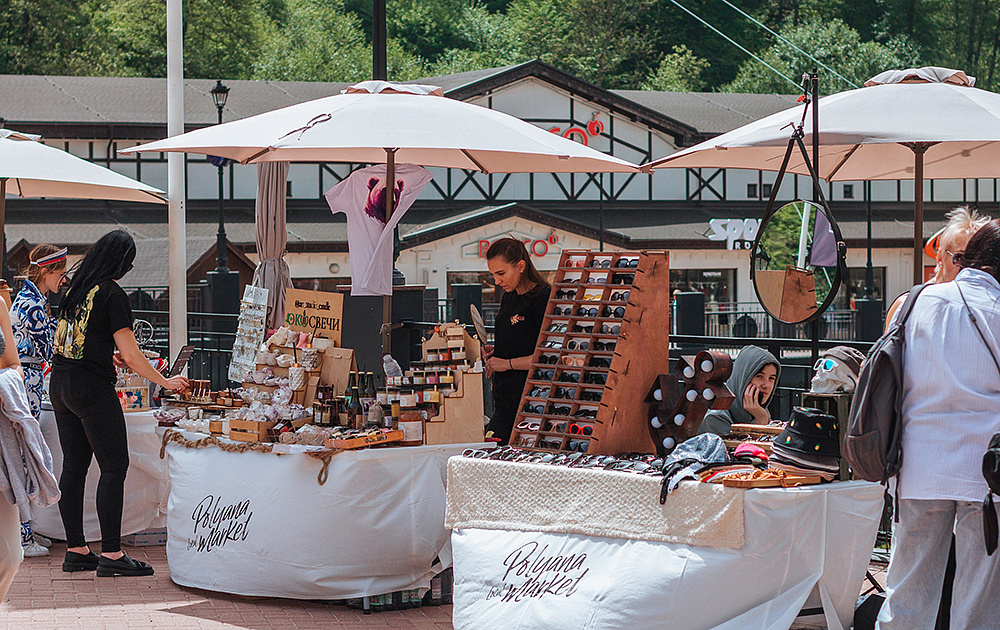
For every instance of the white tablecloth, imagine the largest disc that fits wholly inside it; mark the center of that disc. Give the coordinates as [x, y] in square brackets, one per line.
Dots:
[146, 484]
[260, 524]
[812, 541]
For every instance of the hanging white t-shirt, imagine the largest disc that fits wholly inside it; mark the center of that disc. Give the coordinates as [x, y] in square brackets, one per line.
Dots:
[362, 198]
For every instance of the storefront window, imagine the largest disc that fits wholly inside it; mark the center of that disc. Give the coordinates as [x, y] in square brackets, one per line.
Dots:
[854, 287]
[718, 285]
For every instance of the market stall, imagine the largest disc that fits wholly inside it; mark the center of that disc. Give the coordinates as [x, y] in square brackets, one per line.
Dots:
[146, 485]
[255, 523]
[554, 547]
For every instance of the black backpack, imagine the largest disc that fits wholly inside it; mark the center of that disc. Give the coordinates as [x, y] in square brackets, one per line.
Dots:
[874, 426]
[991, 471]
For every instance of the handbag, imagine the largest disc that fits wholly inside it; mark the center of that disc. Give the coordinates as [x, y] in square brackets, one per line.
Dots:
[991, 458]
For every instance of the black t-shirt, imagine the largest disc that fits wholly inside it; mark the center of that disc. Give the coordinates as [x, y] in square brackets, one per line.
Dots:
[87, 342]
[516, 329]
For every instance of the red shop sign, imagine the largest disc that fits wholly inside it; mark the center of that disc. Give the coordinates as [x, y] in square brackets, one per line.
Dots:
[535, 247]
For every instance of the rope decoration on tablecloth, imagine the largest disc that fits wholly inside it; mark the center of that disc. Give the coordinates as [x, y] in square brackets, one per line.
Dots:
[171, 435]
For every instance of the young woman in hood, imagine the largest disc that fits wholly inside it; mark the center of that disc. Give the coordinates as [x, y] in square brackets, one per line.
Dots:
[754, 378]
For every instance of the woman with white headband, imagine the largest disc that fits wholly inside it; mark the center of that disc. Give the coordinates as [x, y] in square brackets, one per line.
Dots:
[34, 328]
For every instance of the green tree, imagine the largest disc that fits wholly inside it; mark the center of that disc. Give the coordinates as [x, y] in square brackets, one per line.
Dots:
[835, 44]
[43, 36]
[679, 71]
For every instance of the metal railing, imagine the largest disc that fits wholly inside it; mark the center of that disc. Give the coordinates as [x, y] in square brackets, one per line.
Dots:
[211, 334]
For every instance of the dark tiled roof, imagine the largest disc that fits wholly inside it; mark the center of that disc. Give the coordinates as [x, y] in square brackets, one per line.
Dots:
[711, 113]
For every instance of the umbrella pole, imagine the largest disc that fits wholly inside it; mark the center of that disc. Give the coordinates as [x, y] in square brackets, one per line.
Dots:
[390, 198]
[3, 227]
[918, 212]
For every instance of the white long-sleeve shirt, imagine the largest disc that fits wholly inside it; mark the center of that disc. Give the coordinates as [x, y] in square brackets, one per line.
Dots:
[951, 388]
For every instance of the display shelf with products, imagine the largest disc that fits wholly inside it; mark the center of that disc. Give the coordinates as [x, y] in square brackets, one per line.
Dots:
[606, 328]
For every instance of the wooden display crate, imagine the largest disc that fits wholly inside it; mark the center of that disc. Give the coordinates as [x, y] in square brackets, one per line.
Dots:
[460, 416]
[626, 347]
[365, 441]
[249, 430]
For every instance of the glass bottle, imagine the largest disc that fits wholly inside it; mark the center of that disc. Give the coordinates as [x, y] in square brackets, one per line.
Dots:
[355, 415]
[368, 393]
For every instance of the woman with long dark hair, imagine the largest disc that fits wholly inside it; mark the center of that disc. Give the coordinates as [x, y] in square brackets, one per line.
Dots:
[518, 322]
[951, 408]
[95, 318]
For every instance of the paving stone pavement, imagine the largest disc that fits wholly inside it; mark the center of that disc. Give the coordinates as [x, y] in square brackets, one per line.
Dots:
[42, 597]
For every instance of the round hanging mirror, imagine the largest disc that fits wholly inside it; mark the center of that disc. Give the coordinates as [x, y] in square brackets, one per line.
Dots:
[798, 262]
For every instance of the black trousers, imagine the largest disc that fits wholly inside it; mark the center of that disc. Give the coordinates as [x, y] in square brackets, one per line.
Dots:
[507, 389]
[91, 424]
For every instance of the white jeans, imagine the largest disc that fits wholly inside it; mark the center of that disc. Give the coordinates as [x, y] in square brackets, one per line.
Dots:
[920, 544]
[10, 545]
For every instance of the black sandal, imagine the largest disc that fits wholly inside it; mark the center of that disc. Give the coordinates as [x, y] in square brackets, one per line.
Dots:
[80, 562]
[122, 566]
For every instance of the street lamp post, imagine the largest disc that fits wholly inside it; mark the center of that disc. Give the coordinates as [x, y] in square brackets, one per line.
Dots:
[220, 93]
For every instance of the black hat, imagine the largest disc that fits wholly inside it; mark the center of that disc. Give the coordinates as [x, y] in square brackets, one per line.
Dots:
[810, 432]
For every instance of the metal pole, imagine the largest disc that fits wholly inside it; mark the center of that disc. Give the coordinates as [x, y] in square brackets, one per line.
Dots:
[380, 70]
[601, 213]
[221, 255]
[3, 231]
[177, 251]
[390, 199]
[814, 79]
[869, 270]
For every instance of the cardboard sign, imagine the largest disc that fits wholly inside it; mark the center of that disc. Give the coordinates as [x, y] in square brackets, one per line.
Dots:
[319, 311]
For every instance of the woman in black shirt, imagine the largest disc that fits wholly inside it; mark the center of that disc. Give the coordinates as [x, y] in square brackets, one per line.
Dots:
[95, 319]
[518, 323]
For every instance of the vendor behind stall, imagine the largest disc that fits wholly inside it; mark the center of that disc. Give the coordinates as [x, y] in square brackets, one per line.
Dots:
[518, 322]
[754, 378]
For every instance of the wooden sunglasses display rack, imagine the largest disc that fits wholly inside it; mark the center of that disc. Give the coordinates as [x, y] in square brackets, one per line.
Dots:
[604, 338]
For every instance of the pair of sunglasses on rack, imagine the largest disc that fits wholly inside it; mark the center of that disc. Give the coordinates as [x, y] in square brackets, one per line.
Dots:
[559, 410]
[539, 392]
[566, 294]
[597, 280]
[562, 310]
[592, 297]
[575, 262]
[572, 361]
[556, 426]
[558, 328]
[587, 312]
[544, 375]
[549, 359]
[620, 296]
[536, 408]
[600, 264]
[569, 377]
[550, 443]
[564, 393]
[586, 413]
[594, 379]
[600, 362]
[577, 344]
[623, 278]
[618, 311]
[611, 329]
[627, 263]
[605, 346]
[591, 395]
[528, 425]
[553, 343]
[578, 445]
[583, 329]
[581, 429]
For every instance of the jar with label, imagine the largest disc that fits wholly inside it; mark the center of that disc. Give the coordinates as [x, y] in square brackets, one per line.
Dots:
[412, 426]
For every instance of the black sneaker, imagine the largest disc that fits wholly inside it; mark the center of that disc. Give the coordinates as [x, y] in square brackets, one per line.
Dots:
[107, 567]
[80, 562]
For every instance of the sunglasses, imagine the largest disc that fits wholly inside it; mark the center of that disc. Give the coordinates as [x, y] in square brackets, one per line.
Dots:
[618, 311]
[609, 329]
[826, 364]
[591, 395]
[475, 453]
[565, 310]
[623, 278]
[569, 377]
[583, 329]
[572, 361]
[595, 379]
[539, 392]
[956, 257]
[600, 362]
[620, 296]
[627, 263]
[586, 413]
[597, 279]
[556, 444]
[525, 440]
[528, 426]
[553, 343]
[593, 297]
[600, 264]
[578, 445]
[558, 328]
[549, 359]
[567, 294]
[556, 426]
[581, 429]
[559, 410]
[575, 262]
[571, 280]
[529, 408]
[576, 344]
[605, 346]
[587, 312]
[544, 375]
[564, 393]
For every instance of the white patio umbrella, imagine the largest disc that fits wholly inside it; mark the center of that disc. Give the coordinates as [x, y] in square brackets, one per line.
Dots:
[378, 122]
[29, 168]
[909, 124]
